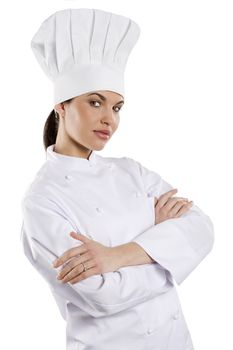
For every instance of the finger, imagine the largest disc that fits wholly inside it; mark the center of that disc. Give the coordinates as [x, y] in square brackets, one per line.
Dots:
[79, 236]
[71, 264]
[155, 201]
[69, 254]
[174, 210]
[77, 271]
[164, 197]
[84, 275]
[184, 209]
[172, 202]
[186, 199]
[73, 273]
[66, 270]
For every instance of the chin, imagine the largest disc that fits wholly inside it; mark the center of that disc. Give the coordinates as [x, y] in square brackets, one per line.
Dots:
[98, 147]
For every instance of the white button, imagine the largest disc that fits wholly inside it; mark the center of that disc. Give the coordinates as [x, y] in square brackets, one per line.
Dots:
[138, 194]
[99, 210]
[176, 316]
[68, 177]
[149, 330]
[110, 166]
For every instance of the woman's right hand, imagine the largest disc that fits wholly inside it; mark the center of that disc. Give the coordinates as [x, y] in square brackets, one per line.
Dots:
[168, 207]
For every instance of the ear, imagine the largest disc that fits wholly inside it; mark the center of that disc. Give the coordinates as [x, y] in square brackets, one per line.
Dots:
[59, 108]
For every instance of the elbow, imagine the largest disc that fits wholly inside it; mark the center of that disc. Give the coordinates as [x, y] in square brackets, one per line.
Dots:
[101, 310]
[209, 237]
[97, 310]
[204, 235]
[210, 232]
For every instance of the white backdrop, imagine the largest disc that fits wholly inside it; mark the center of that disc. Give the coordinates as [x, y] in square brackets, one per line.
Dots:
[176, 121]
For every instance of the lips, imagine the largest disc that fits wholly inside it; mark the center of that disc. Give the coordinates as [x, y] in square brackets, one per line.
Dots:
[106, 132]
[102, 135]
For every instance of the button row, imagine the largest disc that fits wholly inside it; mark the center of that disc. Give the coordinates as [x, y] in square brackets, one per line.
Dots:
[175, 317]
[109, 165]
[137, 193]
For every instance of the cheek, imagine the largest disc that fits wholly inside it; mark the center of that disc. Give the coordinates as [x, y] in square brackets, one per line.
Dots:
[72, 122]
[81, 127]
[73, 126]
[117, 122]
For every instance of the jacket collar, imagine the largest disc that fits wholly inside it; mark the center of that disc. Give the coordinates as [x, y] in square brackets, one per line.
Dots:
[71, 161]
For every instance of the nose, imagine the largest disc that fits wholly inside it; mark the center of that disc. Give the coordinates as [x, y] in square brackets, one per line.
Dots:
[109, 117]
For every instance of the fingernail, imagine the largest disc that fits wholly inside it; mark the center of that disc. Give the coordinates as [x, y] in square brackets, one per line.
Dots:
[55, 262]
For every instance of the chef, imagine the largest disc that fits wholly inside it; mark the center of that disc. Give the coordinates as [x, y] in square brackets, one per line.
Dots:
[107, 234]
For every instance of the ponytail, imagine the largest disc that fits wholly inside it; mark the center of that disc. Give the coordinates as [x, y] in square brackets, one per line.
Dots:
[51, 127]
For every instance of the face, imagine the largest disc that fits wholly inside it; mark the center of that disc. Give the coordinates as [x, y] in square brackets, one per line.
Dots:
[79, 120]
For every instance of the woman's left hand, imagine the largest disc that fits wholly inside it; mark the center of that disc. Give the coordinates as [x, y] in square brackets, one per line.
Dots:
[96, 257]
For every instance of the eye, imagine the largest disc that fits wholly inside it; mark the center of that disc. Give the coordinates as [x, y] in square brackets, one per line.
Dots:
[93, 103]
[119, 108]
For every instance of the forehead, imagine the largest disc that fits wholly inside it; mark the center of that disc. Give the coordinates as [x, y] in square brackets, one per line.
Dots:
[106, 95]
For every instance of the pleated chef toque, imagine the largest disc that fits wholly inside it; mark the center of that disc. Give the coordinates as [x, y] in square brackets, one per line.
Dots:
[82, 50]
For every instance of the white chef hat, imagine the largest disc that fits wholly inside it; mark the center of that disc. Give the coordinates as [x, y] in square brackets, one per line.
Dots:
[84, 50]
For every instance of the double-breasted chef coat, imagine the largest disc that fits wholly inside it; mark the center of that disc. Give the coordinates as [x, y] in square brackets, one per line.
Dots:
[111, 200]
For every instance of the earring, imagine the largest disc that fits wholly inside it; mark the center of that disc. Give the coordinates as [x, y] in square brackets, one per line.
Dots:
[56, 114]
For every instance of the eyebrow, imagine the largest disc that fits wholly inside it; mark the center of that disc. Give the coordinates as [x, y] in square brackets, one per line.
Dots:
[103, 97]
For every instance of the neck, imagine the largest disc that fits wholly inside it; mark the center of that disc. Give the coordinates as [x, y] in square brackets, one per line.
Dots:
[71, 148]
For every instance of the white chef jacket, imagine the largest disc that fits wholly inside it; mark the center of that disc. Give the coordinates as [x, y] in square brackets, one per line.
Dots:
[111, 200]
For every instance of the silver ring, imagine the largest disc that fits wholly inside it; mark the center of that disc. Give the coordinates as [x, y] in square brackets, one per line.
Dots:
[84, 267]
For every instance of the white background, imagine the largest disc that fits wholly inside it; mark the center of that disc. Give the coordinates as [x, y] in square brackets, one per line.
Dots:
[176, 121]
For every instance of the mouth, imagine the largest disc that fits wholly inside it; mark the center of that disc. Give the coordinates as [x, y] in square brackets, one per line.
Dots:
[104, 135]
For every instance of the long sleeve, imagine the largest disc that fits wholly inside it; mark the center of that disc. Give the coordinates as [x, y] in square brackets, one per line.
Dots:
[45, 236]
[178, 244]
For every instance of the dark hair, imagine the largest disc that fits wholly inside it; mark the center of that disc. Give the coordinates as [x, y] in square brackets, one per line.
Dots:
[51, 127]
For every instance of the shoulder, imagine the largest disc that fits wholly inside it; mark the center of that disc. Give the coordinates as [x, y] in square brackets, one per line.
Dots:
[137, 166]
[124, 162]
[39, 185]
[132, 165]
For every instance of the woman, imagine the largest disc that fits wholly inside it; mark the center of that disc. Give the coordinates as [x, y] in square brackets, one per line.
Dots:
[119, 236]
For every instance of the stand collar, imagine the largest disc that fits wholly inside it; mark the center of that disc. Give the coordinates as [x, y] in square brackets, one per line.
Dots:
[71, 161]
